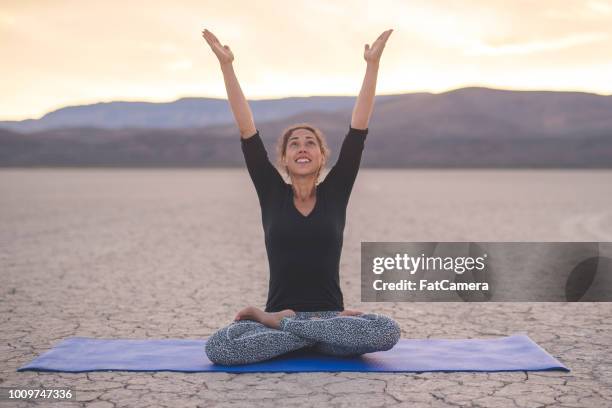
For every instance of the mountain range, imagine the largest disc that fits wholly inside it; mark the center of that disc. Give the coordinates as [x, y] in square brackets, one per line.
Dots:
[467, 128]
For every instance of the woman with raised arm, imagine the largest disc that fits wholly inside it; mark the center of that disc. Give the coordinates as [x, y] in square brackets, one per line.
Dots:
[303, 224]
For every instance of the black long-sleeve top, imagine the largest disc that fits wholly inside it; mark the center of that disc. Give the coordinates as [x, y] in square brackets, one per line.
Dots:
[304, 251]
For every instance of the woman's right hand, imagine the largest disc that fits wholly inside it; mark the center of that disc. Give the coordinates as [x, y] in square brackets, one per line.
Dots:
[223, 52]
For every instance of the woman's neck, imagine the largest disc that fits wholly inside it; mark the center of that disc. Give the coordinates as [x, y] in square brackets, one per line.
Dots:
[304, 188]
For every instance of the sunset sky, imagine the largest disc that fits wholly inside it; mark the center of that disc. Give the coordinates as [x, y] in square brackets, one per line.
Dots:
[60, 52]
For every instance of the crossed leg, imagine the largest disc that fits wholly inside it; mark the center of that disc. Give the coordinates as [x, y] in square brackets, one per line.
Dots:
[249, 341]
[346, 335]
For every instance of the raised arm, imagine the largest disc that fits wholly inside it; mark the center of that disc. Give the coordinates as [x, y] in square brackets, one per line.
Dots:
[365, 101]
[238, 103]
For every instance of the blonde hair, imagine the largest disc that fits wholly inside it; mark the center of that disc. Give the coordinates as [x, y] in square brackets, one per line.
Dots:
[281, 145]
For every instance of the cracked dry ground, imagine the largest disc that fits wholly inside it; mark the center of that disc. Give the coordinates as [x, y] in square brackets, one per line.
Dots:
[174, 254]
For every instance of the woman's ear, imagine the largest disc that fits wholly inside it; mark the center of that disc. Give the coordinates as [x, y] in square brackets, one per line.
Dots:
[284, 163]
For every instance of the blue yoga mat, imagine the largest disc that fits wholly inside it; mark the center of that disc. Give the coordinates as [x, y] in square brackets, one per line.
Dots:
[513, 353]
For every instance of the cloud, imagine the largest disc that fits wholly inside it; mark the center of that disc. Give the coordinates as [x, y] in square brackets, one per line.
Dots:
[179, 65]
[164, 47]
[531, 47]
[600, 7]
[63, 52]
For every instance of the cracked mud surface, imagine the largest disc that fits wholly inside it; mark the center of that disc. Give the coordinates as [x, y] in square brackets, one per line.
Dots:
[174, 254]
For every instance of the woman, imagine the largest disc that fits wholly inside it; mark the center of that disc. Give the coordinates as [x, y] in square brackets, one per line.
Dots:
[303, 225]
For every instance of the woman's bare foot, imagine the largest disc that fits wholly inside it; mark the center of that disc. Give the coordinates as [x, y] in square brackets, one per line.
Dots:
[350, 313]
[270, 319]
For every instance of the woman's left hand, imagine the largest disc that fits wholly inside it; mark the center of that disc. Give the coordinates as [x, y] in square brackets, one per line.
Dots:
[373, 53]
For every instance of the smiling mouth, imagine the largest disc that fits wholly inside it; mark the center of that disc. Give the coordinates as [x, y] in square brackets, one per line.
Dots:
[303, 160]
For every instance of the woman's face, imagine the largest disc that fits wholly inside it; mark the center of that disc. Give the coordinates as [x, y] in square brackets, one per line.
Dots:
[303, 153]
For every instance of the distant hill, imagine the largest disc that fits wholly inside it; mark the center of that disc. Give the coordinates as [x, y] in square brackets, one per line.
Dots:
[180, 114]
[469, 127]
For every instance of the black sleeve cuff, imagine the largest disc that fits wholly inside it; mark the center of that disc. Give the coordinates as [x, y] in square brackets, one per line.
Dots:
[363, 132]
[249, 139]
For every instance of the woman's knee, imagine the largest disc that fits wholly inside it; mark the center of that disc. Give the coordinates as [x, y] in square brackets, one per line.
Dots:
[389, 331]
[222, 348]
[218, 348]
[381, 333]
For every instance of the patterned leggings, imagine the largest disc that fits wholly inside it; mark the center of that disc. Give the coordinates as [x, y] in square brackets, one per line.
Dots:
[248, 341]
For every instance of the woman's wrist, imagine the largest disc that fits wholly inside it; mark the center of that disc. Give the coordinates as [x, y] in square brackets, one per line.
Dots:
[373, 64]
[226, 65]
